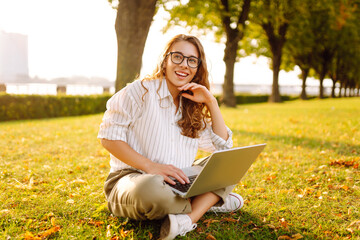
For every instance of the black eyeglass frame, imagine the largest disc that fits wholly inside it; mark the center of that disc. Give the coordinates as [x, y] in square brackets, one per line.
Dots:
[187, 61]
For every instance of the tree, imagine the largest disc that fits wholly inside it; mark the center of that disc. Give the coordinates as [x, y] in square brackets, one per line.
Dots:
[132, 25]
[226, 19]
[344, 66]
[322, 17]
[299, 45]
[274, 17]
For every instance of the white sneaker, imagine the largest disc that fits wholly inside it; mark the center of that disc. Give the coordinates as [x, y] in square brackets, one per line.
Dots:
[174, 225]
[233, 202]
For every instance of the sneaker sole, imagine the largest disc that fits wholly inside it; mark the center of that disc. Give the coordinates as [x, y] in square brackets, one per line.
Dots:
[241, 201]
[165, 228]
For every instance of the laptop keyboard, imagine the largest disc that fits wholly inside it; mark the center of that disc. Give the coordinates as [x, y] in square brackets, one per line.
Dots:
[183, 187]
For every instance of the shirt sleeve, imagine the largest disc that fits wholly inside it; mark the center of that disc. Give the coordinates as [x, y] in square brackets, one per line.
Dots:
[210, 141]
[121, 111]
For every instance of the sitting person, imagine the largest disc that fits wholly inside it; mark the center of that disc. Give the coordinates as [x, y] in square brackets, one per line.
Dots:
[153, 128]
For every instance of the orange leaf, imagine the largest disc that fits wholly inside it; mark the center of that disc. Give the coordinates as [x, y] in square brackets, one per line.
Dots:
[297, 236]
[228, 220]
[284, 237]
[29, 236]
[50, 231]
[283, 223]
[95, 223]
[355, 224]
[269, 178]
[210, 221]
[150, 235]
[53, 222]
[124, 233]
[210, 237]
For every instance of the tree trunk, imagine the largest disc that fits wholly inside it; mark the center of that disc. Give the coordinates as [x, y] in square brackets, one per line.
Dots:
[333, 88]
[321, 78]
[230, 53]
[275, 93]
[233, 36]
[132, 25]
[340, 88]
[304, 74]
[345, 90]
[321, 88]
[276, 43]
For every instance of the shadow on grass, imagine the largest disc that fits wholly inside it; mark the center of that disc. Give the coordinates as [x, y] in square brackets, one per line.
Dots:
[239, 225]
[338, 147]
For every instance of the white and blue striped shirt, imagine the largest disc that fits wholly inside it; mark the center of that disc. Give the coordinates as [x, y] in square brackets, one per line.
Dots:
[148, 124]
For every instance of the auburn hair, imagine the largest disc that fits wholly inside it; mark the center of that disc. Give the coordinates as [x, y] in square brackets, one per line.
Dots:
[194, 115]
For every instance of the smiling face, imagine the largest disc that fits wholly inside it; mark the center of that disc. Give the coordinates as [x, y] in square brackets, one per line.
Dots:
[177, 75]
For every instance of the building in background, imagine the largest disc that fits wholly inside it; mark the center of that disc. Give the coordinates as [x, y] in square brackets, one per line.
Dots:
[14, 65]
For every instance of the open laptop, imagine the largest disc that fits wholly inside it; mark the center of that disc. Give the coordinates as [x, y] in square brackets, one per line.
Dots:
[223, 168]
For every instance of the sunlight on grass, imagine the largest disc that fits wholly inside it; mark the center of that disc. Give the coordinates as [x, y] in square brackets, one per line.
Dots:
[305, 184]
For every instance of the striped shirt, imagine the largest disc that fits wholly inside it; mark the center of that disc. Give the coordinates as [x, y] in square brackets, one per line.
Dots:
[148, 124]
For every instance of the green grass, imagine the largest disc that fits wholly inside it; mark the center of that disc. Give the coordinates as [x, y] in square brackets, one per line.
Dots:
[306, 183]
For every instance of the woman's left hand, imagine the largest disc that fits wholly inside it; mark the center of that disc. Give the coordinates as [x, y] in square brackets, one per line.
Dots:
[199, 92]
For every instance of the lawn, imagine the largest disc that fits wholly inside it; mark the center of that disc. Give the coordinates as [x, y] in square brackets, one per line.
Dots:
[305, 184]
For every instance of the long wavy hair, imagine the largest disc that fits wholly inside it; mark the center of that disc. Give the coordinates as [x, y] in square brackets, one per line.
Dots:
[194, 115]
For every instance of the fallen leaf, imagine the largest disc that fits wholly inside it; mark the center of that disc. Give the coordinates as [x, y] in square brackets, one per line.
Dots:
[150, 235]
[124, 233]
[284, 237]
[59, 186]
[270, 178]
[199, 230]
[47, 216]
[31, 182]
[96, 223]
[29, 236]
[297, 236]
[49, 232]
[4, 212]
[355, 224]
[53, 222]
[270, 226]
[283, 222]
[210, 221]
[78, 181]
[229, 220]
[210, 237]
[343, 163]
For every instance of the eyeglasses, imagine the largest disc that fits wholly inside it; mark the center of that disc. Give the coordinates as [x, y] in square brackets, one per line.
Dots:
[178, 58]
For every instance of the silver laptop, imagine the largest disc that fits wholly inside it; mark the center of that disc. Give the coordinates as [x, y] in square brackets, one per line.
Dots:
[223, 168]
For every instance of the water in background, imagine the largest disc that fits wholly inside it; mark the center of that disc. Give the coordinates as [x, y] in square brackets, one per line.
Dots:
[82, 89]
[51, 89]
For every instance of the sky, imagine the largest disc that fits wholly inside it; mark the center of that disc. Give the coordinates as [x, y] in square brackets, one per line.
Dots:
[77, 37]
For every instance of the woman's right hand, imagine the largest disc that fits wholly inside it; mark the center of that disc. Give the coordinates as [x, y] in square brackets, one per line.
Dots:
[167, 171]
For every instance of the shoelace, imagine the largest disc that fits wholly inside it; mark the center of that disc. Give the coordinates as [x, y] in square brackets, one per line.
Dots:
[183, 229]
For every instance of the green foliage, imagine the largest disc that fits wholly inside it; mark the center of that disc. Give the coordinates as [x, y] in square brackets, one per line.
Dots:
[16, 107]
[249, 98]
[305, 182]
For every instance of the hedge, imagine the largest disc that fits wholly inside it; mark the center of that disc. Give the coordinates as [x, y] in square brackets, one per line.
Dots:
[248, 98]
[16, 107]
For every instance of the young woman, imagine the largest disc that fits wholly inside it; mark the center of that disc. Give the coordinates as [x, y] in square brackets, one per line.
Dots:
[153, 128]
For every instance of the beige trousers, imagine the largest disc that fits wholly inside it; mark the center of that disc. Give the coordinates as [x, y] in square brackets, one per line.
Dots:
[139, 196]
